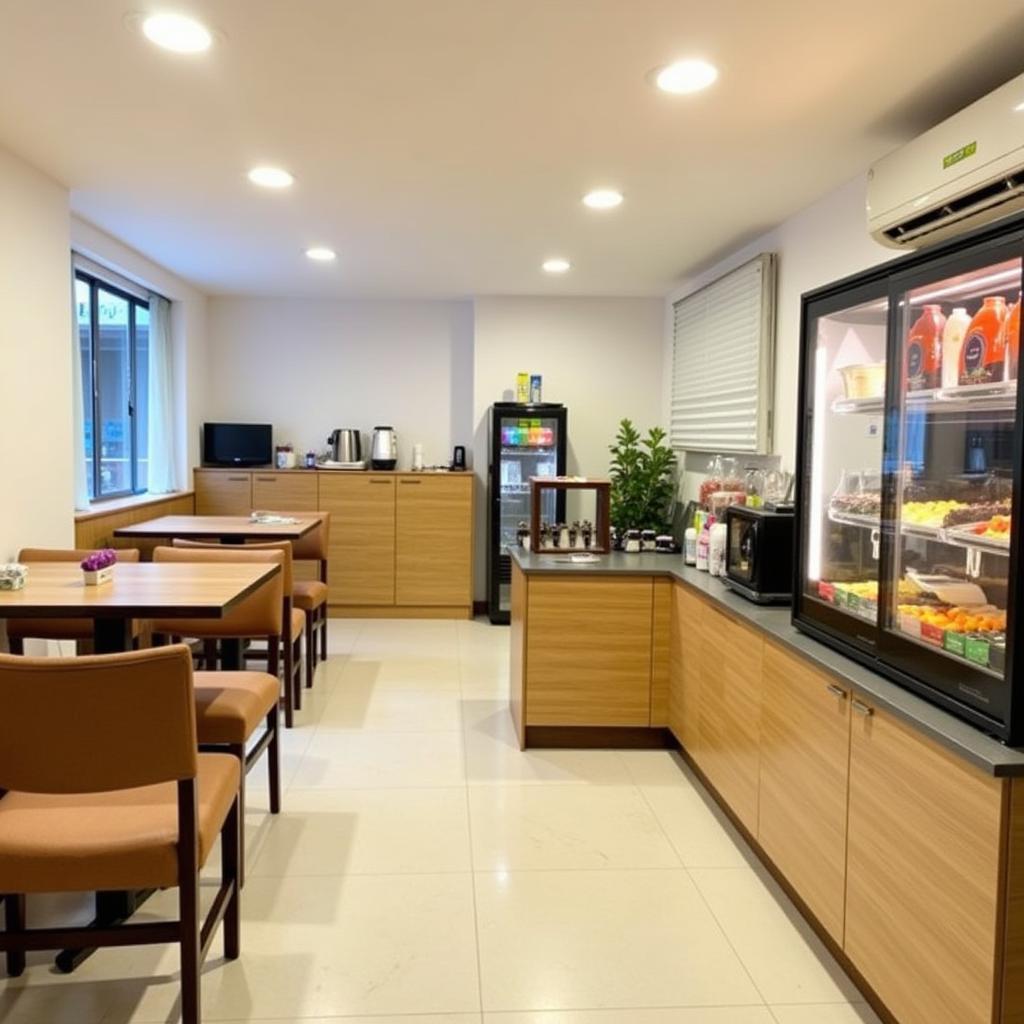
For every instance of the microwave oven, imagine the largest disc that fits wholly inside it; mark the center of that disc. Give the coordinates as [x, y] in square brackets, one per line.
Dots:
[759, 554]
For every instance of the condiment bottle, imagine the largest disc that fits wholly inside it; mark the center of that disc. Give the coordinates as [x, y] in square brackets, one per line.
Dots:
[982, 355]
[924, 350]
[952, 341]
[690, 546]
[717, 538]
[703, 543]
[1011, 335]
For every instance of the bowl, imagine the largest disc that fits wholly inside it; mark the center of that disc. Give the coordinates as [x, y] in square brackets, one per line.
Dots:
[864, 380]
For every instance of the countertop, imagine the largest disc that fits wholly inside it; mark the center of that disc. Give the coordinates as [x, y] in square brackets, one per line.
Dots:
[962, 739]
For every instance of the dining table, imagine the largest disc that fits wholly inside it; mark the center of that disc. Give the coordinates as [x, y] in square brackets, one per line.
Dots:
[225, 529]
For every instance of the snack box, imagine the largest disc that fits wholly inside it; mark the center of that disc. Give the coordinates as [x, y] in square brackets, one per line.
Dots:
[827, 591]
[911, 625]
[955, 643]
[976, 649]
[932, 634]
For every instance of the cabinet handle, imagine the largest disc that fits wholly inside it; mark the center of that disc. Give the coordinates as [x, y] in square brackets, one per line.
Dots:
[239, 479]
[386, 483]
[836, 691]
[861, 708]
[416, 482]
[267, 479]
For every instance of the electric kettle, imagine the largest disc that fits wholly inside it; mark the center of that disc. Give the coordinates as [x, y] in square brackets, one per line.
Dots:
[345, 445]
[384, 450]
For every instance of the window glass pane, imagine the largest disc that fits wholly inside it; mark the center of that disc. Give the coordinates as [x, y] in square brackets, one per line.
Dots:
[83, 309]
[113, 367]
[142, 396]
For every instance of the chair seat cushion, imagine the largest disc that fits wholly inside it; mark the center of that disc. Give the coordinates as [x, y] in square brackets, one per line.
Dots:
[231, 705]
[309, 594]
[126, 839]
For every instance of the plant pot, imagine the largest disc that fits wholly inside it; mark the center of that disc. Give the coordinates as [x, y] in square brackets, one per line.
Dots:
[94, 577]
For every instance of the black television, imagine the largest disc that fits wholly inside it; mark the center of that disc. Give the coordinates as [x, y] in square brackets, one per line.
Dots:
[237, 444]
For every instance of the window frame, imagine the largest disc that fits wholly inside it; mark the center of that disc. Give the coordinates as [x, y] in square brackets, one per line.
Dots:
[94, 284]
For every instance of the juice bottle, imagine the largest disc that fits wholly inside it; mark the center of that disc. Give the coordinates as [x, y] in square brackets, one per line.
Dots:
[982, 354]
[1011, 335]
[924, 350]
[952, 342]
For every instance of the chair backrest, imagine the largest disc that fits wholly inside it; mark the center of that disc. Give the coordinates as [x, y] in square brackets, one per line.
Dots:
[259, 614]
[312, 547]
[71, 554]
[284, 546]
[98, 723]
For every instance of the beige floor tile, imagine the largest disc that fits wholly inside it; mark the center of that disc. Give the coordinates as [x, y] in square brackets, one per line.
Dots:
[699, 831]
[835, 1013]
[602, 939]
[335, 947]
[30, 1000]
[786, 959]
[519, 827]
[362, 705]
[679, 1015]
[404, 1018]
[367, 831]
[401, 671]
[339, 759]
[657, 768]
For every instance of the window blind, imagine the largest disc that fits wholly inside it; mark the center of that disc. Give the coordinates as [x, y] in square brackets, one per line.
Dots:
[723, 341]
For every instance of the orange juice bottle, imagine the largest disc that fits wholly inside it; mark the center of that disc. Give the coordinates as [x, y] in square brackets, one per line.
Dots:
[1011, 336]
[924, 350]
[982, 354]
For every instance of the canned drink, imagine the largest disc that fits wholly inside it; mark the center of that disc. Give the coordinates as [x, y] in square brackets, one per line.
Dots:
[523, 388]
[535, 389]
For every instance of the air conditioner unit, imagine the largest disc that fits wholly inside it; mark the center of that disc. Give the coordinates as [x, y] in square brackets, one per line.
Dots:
[964, 172]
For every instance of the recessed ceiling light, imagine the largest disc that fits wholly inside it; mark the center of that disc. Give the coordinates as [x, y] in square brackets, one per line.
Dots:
[270, 177]
[177, 33]
[321, 254]
[556, 265]
[686, 76]
[602, 199]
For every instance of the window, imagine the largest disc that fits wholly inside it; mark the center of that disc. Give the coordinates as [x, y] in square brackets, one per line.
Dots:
[113, 335]
[722, 352]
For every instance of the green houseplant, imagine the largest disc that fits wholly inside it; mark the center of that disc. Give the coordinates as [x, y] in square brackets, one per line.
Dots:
[642, 479]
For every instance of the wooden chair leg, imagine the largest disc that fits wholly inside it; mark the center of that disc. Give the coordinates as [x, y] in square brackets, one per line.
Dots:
[238, 749]
[310, 648]
[274, 760]
[231, 864]
[16, 644]
[297, 663]
[15, 922]
[188, 913]
[276, 643]
[210, 655]
[323, 631]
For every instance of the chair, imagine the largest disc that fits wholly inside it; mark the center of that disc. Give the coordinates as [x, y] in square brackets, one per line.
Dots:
[293, 619]
[105, 790]
[80, 631]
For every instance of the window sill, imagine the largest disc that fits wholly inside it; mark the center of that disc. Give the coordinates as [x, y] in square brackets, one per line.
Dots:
[103, 508]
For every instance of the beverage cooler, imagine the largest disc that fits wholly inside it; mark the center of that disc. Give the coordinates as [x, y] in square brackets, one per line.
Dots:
[909, 462]
[524, 441]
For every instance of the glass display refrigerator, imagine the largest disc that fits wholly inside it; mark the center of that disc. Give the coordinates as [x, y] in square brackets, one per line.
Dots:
[523, 441]
[909, 473]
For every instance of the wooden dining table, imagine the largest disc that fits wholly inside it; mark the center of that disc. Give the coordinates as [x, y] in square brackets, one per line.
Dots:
[226, 529]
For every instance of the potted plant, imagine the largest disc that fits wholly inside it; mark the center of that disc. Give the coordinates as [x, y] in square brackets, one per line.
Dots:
[643, 484]
[98, 567]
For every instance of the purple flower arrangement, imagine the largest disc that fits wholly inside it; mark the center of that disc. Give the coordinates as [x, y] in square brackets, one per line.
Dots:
[98, 560]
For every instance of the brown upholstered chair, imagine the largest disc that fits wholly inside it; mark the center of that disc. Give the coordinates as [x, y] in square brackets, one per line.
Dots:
[293, 619]
[80, 631]
[105, 790]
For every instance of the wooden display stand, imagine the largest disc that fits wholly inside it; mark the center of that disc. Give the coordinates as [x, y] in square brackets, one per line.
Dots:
[602, 516]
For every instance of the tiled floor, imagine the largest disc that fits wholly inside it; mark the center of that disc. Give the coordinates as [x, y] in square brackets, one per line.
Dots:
[425, 871]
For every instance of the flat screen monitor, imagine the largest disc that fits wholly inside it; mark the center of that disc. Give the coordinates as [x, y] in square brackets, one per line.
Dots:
[237, 444]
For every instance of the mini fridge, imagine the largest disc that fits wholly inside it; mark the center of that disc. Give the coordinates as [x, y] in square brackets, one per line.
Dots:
[524, 440]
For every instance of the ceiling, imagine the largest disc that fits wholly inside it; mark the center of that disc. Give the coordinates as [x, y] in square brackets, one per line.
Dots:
[442, 146]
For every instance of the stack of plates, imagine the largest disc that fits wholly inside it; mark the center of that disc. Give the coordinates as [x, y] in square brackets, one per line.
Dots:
[328, 464]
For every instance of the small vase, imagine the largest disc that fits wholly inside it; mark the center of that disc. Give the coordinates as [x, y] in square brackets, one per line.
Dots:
[94, 577]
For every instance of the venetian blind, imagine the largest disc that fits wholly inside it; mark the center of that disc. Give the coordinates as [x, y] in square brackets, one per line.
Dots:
[723, 343]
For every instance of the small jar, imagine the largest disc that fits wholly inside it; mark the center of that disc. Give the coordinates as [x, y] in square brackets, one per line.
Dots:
[563, 537]
[633, 542]
[648, 540]
[310, 460]
[586, 534]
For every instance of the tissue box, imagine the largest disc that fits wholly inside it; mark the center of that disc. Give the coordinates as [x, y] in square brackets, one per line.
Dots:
[13, 576]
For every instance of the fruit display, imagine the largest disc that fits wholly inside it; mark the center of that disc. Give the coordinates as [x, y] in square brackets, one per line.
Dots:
[997, 527]
[975, 512]
[866, 503]
[976, 633]
[929, 513]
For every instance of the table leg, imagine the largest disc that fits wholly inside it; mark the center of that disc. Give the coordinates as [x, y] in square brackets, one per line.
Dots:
[110, 636]
[231, 655]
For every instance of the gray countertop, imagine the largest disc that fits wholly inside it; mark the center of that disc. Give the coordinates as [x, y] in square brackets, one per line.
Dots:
[959, 737]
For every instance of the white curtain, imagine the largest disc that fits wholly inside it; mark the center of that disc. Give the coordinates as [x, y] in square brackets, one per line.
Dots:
[78, 408]
[162, 477]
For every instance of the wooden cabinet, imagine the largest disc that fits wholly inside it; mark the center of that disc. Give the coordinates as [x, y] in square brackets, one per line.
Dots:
[433, 541]
[685, 669]
[223, 492]
[661, 646]
[805, 751]
[284, 492]
[730, 711]
[362, 544]
[588, 651]
[923, 922]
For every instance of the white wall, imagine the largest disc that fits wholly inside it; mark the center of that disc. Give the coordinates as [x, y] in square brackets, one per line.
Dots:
[824, 241]
[36, 446]
[188, 332]
[309, 365]
[602, 358]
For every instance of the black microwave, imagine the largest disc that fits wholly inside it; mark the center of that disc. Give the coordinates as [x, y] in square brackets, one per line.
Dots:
[759, 553]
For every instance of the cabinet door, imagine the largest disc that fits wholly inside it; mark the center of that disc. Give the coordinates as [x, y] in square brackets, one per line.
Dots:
[588, 651]
[223, 493]
[922, 879]
[434, 541]
[684, 689]
[362, 545]
[805, 752]
[730, 711]
[284, 492]
[661, 651]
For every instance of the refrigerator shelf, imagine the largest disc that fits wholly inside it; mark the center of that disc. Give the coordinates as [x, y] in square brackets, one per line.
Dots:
[999, 397]
[960, 536]
[965, 537]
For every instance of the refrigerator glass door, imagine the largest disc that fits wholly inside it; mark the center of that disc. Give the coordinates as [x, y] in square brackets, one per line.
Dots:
[950, 470]
[842, 498]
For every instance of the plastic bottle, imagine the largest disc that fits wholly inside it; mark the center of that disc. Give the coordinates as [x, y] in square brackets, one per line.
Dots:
[952, 341]
[690, 546]
[1011, 335]
[704, 543]
[924, 350]
[982, 355]
[717, 539]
